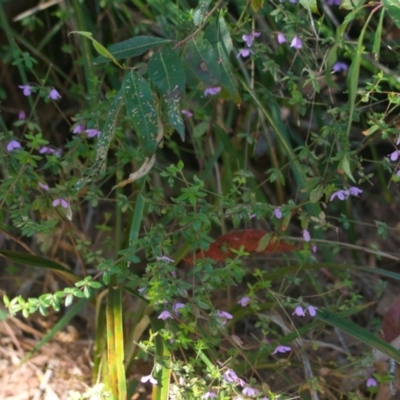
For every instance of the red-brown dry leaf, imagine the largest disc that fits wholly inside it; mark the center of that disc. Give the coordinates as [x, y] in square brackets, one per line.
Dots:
[391, 321]
[250, 239]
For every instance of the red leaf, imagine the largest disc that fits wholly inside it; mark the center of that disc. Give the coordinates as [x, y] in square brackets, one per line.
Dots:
[252, 240]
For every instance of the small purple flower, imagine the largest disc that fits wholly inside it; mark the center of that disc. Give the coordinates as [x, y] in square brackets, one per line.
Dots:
[44, 186]
[398, 173]
[354, 191]
[22, 115]
[394, 156]
[209, 395]
[13, 145]
[372, 382]
[299, 311]
[251, 392]
[312, 310]
[224, 314]
[244, 53]
[296, 43]
[398, 140]
[140, 290]
[281, 38]
[60, 201]
[148, 378]
[278, 213]
[244, 301]
[333, 2]
[282, 349]
[165, 315]
[165, 258]
[248, 39]
[230, 376]
[340, 66]
[46, 150]
[187, 113]
[80, 128]
[93, 132]
[314, 248]
[339, 194]
[251, 216]
[57, 152]
[54, 95]
[306, 235]
[212, 91]
[177, 306]
[26, 89]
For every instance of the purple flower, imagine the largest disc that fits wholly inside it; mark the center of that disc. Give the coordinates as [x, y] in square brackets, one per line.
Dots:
[282, 349]
[93, 132]
[398, 140]
[250, 37]
[314, 248]
[394, 156]
[231, 377]
[22, 115]
[44, 186]
[244, 53]
[296, 43]
[165, 258]
[299, 311]
[333, 2]
[46, 150]
[26, 89]
[212, 91]
[354, 191]
[398, 173]
[165, 315]
[306, 235]
[372, 382]
[13, 145]
[57, 152]
[224, 314]
[80, 128]
[339, 194]
[187, 113]
[54, 95]
[209, 395]
[244, 301]
[251, 392]
[251, 216]
[148, 378]
[278, 213]
[312, 310]
[177, 306]
[340, 66]
[60, 201]
[281, 38]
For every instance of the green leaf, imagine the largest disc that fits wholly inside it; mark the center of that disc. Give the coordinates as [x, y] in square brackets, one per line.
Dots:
[141, 111]
[359, 333]
[310, 5]
[344, 165]
[132, 47]
[316, 194]
[200, 11]
[203, 61]
[166, 70]
[393, 10]
[103, 144]
[217, 34]
[257, 4]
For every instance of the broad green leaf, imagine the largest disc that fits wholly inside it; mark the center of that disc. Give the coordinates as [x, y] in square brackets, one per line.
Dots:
[310, 5]
[40, 262]
[393, 10]
[166, 70]
[203, 60]
[217, 34]
[98, 47]
[344, 166]
[103, 144]
[200, 11]
[362, 334]
[132, 47]
[141, 111]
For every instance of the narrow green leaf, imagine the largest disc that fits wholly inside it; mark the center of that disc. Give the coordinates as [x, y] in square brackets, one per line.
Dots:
[103, 144]
[378, 36]
[133, 47]
[200, 11]
[141, 111]
[217, 34]
[362, 334]
[203, 61]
